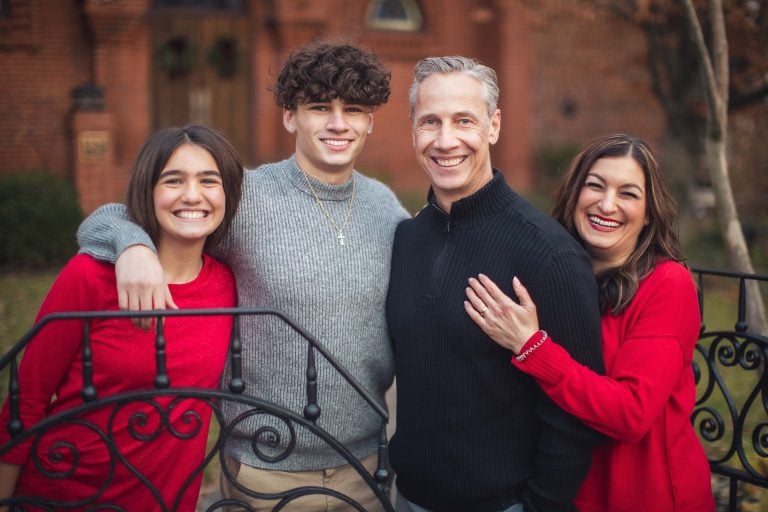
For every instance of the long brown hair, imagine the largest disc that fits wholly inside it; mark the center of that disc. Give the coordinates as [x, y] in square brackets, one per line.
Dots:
[153, 156]
[657, 239]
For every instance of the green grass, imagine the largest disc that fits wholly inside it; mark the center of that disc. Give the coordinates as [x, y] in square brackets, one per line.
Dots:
[21, 294]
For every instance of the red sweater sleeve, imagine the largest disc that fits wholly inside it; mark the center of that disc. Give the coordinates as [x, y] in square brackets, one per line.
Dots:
[647, 348]
[51, 352]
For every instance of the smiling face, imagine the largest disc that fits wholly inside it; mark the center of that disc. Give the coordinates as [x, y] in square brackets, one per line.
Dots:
[329, 137]
[189, 199]
[452, 135]
[611, 210]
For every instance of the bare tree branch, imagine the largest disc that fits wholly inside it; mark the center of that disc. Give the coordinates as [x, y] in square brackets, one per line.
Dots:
[716, 76]
[719, 56]
[739, 99]
[710, 86]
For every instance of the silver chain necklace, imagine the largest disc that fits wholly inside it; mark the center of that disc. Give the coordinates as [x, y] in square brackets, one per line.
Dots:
[339, 229]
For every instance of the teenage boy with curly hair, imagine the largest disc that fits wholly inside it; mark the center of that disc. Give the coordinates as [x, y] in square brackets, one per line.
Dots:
[312, 238]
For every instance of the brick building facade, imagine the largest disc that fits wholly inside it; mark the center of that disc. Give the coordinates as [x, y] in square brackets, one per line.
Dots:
[560, 81]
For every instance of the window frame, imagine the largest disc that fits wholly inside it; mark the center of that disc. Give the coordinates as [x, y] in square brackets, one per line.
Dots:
[413, 23]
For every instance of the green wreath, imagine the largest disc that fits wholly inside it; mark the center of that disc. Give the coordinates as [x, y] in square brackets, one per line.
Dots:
[224, 56]
[176, 57]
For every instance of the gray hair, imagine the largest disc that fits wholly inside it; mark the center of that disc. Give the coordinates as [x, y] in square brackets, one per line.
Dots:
[456, 64]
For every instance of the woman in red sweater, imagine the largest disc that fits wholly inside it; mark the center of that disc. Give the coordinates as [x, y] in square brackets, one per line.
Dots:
[184, 189]
[614, 201]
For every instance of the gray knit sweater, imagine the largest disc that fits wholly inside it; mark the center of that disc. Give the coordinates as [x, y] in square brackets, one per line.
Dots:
[285, 255]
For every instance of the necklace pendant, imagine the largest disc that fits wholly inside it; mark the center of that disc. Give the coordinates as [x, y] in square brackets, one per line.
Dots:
[341, 238]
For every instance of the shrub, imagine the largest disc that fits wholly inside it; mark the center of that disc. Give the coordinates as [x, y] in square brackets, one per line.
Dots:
[40, 215]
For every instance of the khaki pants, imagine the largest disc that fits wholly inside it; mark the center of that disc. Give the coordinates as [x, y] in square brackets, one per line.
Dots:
[343, 479]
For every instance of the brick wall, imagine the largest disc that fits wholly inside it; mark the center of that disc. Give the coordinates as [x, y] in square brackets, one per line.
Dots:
[590, 78]
[44, 53]
[564, 79]
[121, 66]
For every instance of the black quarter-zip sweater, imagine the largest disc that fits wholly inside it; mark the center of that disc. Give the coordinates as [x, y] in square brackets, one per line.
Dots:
[474, 434]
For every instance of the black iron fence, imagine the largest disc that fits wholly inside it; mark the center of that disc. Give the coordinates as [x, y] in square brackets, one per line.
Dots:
[731, 415]
[272, 441]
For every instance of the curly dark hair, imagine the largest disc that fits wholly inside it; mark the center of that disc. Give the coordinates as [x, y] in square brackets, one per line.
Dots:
[657, 240]
[321, 71]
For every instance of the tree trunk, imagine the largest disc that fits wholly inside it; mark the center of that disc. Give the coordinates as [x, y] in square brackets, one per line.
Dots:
[733, 233]
[715, 71]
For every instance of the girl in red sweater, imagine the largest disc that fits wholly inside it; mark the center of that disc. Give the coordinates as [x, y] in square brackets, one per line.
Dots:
[184, 189]
[614, 201]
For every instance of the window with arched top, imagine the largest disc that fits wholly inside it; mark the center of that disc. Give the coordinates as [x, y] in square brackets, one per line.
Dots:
[399, 15]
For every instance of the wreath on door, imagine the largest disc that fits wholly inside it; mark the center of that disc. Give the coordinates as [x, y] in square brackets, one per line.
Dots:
[224, 56]
[176, 57]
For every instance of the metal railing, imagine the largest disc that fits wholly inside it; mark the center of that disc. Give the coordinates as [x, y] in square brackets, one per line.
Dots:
[272, 441]
[731, 412]
[730, 415]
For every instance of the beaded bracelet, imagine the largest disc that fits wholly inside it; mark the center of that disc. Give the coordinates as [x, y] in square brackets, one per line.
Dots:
[533, 347]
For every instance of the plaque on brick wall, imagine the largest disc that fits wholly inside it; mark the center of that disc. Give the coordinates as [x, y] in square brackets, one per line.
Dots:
[93, 146]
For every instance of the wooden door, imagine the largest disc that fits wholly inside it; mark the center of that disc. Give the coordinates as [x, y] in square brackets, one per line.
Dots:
[200, 71]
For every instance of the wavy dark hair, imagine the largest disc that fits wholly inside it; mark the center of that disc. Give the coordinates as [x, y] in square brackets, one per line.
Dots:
[155, 153]
[657, 240]
[322, 71]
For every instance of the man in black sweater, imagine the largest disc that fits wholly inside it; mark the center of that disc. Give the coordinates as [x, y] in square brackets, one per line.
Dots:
[474, 434]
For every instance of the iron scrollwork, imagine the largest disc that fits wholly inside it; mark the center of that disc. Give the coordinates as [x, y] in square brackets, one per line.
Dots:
[731, 410]
[144, 416]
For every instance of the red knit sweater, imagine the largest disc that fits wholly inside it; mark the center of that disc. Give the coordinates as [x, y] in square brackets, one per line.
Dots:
[123, 360]
[653, 461]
